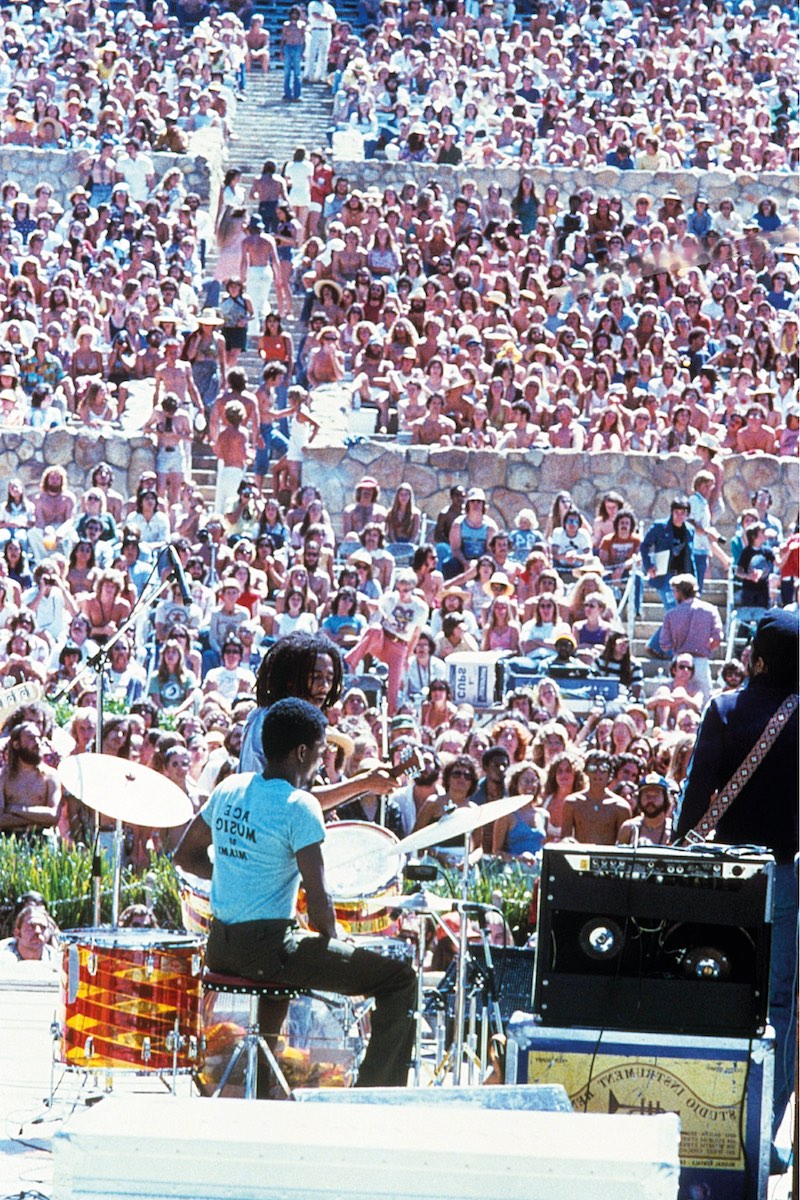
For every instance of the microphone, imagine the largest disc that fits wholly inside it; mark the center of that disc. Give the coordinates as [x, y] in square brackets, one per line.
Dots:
[178, 572]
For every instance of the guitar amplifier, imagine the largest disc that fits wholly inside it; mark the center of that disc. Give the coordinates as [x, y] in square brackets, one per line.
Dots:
[655, 940]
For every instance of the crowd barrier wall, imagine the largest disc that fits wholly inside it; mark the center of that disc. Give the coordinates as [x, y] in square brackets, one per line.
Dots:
[743, 188]
[202, 166]
[25, 453]
[515, 479]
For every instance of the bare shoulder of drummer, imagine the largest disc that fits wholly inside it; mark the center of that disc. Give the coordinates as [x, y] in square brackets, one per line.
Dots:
[30, 793]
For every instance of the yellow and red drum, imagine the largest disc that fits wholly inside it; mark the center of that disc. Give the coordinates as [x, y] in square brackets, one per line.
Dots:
[130, 1000]
[195, 894]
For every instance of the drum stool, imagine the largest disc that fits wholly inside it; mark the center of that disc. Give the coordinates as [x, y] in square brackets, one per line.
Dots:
[253, 1040]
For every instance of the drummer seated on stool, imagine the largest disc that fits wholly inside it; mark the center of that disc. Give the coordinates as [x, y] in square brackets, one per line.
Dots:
[267, 833]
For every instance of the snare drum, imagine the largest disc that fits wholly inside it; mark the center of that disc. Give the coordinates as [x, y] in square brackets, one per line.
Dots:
[130, 1000]
[361, 871]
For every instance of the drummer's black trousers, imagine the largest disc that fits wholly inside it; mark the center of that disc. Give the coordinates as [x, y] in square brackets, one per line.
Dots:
[277, 952]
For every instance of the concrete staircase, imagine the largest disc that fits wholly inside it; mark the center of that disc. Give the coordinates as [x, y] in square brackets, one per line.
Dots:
[266, 128]
[657, 672]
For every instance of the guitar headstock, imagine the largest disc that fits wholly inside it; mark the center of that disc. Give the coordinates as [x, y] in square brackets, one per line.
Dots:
[410, 760]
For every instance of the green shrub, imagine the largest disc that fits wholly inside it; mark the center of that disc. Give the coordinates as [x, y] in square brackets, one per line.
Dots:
[511, 882]
[64, 877]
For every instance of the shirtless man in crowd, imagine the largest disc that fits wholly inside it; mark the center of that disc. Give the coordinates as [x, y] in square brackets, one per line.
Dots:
[434, 429]
[173, 430]
[596, 815]
[174, 376]
[260, 271]
[30, 792]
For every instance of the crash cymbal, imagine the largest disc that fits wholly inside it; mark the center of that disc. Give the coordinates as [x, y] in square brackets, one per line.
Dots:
[460, 822]
[125, 791]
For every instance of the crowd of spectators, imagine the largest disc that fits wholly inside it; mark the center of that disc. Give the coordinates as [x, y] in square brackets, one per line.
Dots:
[595, 83]
[94, 282]
[557, 321]
[540, 604]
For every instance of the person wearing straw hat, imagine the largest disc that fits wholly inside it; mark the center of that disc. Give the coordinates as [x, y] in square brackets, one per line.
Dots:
[205, 350]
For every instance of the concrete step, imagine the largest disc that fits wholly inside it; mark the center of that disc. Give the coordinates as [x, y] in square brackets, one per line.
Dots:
[267, 127]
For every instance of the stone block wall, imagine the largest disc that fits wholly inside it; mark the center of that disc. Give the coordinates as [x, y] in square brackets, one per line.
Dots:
[202, 166]
[25, 453]
[744, 189]
[516, 479]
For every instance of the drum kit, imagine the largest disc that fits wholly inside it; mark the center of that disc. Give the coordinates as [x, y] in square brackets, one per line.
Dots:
[132, 999]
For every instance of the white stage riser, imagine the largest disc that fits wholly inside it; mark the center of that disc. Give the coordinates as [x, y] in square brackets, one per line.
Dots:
[168, 1148]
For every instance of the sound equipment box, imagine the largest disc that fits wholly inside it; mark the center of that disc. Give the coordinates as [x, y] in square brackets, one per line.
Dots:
[654, 939]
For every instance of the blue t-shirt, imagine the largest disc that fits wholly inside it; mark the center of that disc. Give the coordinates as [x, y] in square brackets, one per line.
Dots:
[257, 827]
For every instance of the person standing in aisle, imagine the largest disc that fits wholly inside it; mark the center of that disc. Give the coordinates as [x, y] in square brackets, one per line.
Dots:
[293, 41]
[321, 20]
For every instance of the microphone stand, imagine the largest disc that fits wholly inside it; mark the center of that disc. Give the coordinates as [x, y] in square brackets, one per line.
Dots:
[98, 664]
[461, 979]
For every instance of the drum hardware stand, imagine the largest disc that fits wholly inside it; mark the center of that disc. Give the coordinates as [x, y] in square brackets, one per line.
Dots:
[461, 978]
[462, 1046]
[491, 1006]
[98, 664]
[249, 1045]
[419, 1010]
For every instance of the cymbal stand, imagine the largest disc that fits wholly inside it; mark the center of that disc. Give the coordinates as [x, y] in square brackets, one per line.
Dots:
[461, 978]
[491, 1016]
[422, 943]
[98, 663]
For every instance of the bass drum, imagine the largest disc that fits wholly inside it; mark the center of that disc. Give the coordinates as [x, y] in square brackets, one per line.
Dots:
[130, 1000]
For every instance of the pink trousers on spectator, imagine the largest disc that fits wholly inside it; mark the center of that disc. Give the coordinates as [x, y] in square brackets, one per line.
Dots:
[389, 651]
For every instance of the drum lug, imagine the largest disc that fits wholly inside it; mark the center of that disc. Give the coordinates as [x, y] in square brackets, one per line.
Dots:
[197, 963]
[175, 1040]
[91, 963]
[146, 1050]
[149, 965]
[193, 1047]
[88, 1049]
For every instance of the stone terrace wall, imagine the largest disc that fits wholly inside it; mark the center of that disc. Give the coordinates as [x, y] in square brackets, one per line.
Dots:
[202, 167]
[745, 190]
[517, 479]
[26, 453]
